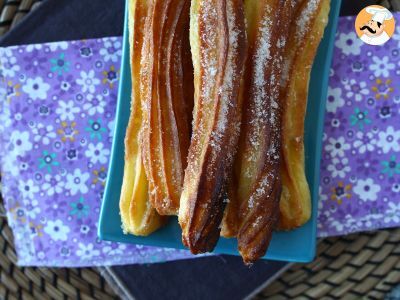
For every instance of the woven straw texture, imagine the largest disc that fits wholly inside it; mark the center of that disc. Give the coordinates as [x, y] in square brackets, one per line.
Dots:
[353, 267]
[12, 11]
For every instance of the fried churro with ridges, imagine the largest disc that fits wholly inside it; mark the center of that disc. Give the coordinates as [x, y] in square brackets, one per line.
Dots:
[218, 43]
[166, 86]
[137, 215]
[309, 25]
[259, 157]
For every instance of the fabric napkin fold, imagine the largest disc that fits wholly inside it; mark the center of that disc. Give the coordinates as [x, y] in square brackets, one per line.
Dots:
[57, 107]
[56, 126]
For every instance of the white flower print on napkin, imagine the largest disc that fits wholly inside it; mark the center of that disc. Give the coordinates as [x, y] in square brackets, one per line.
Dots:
[118, 249]
[365, 142]
[111, 50]
[52, 189]
[67, 110]
[356, 90]
[19, 142]
[366, 189]
[8, 62]
[337, 147]
[76, 182]
[322, 197]
[43, 133]
[57, 230]
[36, 88]
[111, 128]
[30, 48]
[338, 225]
[95, 104]
[58, 45]
[368, 220]
[389, 140]
[381, 67]
[11, 165]
[53, 184]
[339, 167]
[32, 208]
[349, 43]
[335, 99]
[87, 251]
[5, 114]
[393, 213]
[88, 81]
[97, 153]
[28, 189]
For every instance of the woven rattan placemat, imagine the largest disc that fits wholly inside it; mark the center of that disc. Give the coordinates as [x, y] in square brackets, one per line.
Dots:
[357, 266]
[12, 11]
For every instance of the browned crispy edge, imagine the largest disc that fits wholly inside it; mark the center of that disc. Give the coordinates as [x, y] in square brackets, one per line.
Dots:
[150, 220]
[165, 85]
[205, 177]
[259, 221]
[295, 93]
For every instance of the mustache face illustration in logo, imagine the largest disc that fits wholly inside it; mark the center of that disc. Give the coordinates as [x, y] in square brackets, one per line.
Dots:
[368, 28]
[372, 28]
[375, 25]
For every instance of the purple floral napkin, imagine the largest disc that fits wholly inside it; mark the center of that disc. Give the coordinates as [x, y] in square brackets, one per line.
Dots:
[56, 125]
[360, 179]
[57, 106]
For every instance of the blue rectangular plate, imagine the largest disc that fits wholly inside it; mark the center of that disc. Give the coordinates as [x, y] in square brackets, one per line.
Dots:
[297, 245]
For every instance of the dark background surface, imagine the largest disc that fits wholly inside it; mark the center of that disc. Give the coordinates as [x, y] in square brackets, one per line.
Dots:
[57, 20]
[217, 277]
[222, 277]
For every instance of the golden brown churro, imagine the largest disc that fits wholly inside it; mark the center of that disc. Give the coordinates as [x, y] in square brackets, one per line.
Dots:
[166, 83]
[230, 222]
[137, 215]
[242, 172]
[309, 25]
[259, 184]
[218, 42]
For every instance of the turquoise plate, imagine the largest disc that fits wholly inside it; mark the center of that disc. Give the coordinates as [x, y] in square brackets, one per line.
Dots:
[297, 245]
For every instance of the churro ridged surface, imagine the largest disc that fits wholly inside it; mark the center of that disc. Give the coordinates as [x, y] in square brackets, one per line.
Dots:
[230, 222]
[310, 22]
[216, 132]
[218, 43]
[137, 215]
[259, 183]
[166, 83]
